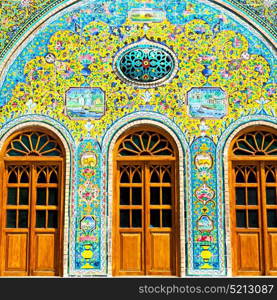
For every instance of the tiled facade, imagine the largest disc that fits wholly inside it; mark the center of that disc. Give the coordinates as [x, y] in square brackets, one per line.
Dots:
[73, 49]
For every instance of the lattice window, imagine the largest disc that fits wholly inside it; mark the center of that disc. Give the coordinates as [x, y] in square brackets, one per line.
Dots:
[145, 143]
[33, 144]
[256, 143]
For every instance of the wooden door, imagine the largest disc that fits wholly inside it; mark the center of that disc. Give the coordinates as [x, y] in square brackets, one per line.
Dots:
[161, 219]
[254, 205]
[145, 223]
[31, 216]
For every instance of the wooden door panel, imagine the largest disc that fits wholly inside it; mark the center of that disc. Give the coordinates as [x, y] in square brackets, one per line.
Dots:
[161, 254]
[16, 254]
[44, 253]
[272, 240]
[131, 252]
[248, 250]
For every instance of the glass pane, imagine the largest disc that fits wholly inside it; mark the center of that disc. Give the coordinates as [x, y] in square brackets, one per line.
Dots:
[23, 196]
[136, 177]
[167, 219]
[136, 196]
[272, 218]
[271, 197]
[241, 218]
[11, 219]
[252, 196]
[53, 178]
[240, 196]
[136, 217]
[154, 218]
[124, 196]
[124, 218]
[52, 219]
[41, 219]
[154, 195]
[23, 219]
[49, 146]
[145, 139]
[126, 152]
[166, 191]
[12, 196]
[53, 196]
[24, 178]
[41, 196]
[15, 153]
[12, 178]
[136, 140]
[52, 153]
[253, 218]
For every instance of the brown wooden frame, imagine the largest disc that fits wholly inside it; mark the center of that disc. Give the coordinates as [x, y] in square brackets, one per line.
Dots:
[259, 161]
[145, 161]
[32, 161]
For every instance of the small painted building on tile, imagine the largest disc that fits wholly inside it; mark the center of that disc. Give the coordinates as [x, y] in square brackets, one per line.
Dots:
[138, 138]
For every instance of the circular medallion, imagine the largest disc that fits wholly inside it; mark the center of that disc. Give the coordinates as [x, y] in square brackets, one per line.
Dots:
[145, 64]
[50, 58]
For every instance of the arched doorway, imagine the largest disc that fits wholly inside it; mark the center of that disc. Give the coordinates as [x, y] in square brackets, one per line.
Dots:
[32, 167]
[145, 205]
[253, 201]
